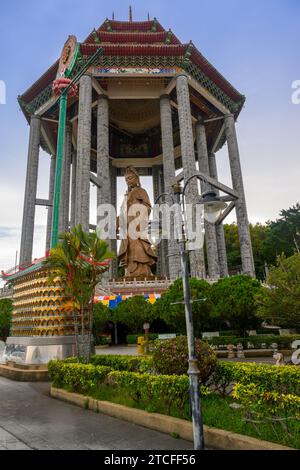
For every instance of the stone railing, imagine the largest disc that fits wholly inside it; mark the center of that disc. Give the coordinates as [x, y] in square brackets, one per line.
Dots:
[127, 284]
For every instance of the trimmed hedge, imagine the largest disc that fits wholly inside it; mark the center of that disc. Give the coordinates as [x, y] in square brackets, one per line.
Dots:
[76, 377]
[285, 379]
[133, 339]
[156, 390]
[123, 363]
[283, 342]
[116, 362]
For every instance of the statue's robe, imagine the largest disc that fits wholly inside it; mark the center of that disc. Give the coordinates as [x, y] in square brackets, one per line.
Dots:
[136, 256]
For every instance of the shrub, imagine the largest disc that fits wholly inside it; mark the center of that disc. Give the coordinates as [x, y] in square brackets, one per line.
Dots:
[266, 377]
[123, 363]
[268, 407]
[154, 389]
[170, 357]
[102, 340]
[76, 377]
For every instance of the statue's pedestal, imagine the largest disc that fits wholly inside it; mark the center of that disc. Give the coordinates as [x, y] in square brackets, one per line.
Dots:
[34, 350]
[129, 286]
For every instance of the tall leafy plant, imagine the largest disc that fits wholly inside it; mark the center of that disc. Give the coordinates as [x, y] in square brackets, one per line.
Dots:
[79, 260]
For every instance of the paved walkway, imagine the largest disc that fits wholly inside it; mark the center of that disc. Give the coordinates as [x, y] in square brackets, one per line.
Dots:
[30, 419]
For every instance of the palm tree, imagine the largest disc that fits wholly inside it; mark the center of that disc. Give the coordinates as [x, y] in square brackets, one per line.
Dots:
[79, 260]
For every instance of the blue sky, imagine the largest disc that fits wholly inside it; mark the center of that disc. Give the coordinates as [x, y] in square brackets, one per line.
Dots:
[253, 43]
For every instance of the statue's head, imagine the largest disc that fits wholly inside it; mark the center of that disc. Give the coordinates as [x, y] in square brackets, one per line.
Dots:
[132, 177]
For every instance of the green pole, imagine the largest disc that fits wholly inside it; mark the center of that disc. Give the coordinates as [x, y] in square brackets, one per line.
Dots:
[59, 165]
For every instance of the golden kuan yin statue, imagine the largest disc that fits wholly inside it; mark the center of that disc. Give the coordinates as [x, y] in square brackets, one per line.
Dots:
[136, 254]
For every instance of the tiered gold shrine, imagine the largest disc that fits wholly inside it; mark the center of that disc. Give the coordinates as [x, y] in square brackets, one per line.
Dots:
[39, 307]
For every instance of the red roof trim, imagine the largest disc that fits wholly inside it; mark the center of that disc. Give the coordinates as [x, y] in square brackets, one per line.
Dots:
[132, 37]
[135, 49]
[131, 26]
[41, 83]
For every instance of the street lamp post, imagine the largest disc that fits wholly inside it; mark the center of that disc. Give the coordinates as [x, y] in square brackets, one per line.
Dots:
[213, 207]
[193, 370]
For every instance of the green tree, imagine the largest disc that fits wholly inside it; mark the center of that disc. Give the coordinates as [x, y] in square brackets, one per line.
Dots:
[234, 301]
[6, 308]
[174, 315]
[102, 315]
[283, 234]
[79, 260]
[279, 304]
[258, 234]
[134, 312]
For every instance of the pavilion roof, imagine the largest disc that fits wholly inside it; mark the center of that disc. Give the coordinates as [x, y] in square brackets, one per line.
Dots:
[126, 43]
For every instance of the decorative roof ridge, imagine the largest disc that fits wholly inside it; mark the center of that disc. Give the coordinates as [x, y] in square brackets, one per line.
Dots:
[51, 70]
[165, 37]
[115, 25]
[201, 61]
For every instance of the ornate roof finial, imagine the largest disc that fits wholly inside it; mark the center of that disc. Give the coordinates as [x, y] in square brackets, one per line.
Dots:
[130, 14]
[113, 16]
[148, 16]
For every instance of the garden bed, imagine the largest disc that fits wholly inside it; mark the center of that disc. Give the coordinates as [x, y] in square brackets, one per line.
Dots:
[128, 381]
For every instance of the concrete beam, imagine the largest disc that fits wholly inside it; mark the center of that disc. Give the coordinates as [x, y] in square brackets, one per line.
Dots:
[43, 202]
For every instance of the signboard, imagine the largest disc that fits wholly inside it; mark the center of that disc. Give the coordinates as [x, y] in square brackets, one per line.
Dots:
[169, 336]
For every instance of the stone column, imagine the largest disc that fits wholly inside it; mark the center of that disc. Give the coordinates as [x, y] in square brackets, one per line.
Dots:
[197, 265]
[162, 255]
[219, 227]
[103, 167]
[51, 197]
[64, 216]
[169, 176]
[210, 230]
[238, 185]
[30, 191]
[114, 245]
[73, 188]
[82, 215]
[106, 194]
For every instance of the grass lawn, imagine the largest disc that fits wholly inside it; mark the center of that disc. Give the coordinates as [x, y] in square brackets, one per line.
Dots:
[217, 413]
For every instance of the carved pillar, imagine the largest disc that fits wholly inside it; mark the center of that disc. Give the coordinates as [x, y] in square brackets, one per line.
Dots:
[73, 188]
[173, 261]
[30, 191]
[64, 218]
[210, 230]
[241, 208]
[103, 168]
[51, 197]
[219, 227]
[197, 266]
[114, 246]
[162, 249]
[82, 215]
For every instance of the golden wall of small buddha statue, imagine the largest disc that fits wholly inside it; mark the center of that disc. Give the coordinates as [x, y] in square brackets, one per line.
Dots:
[39, 307]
